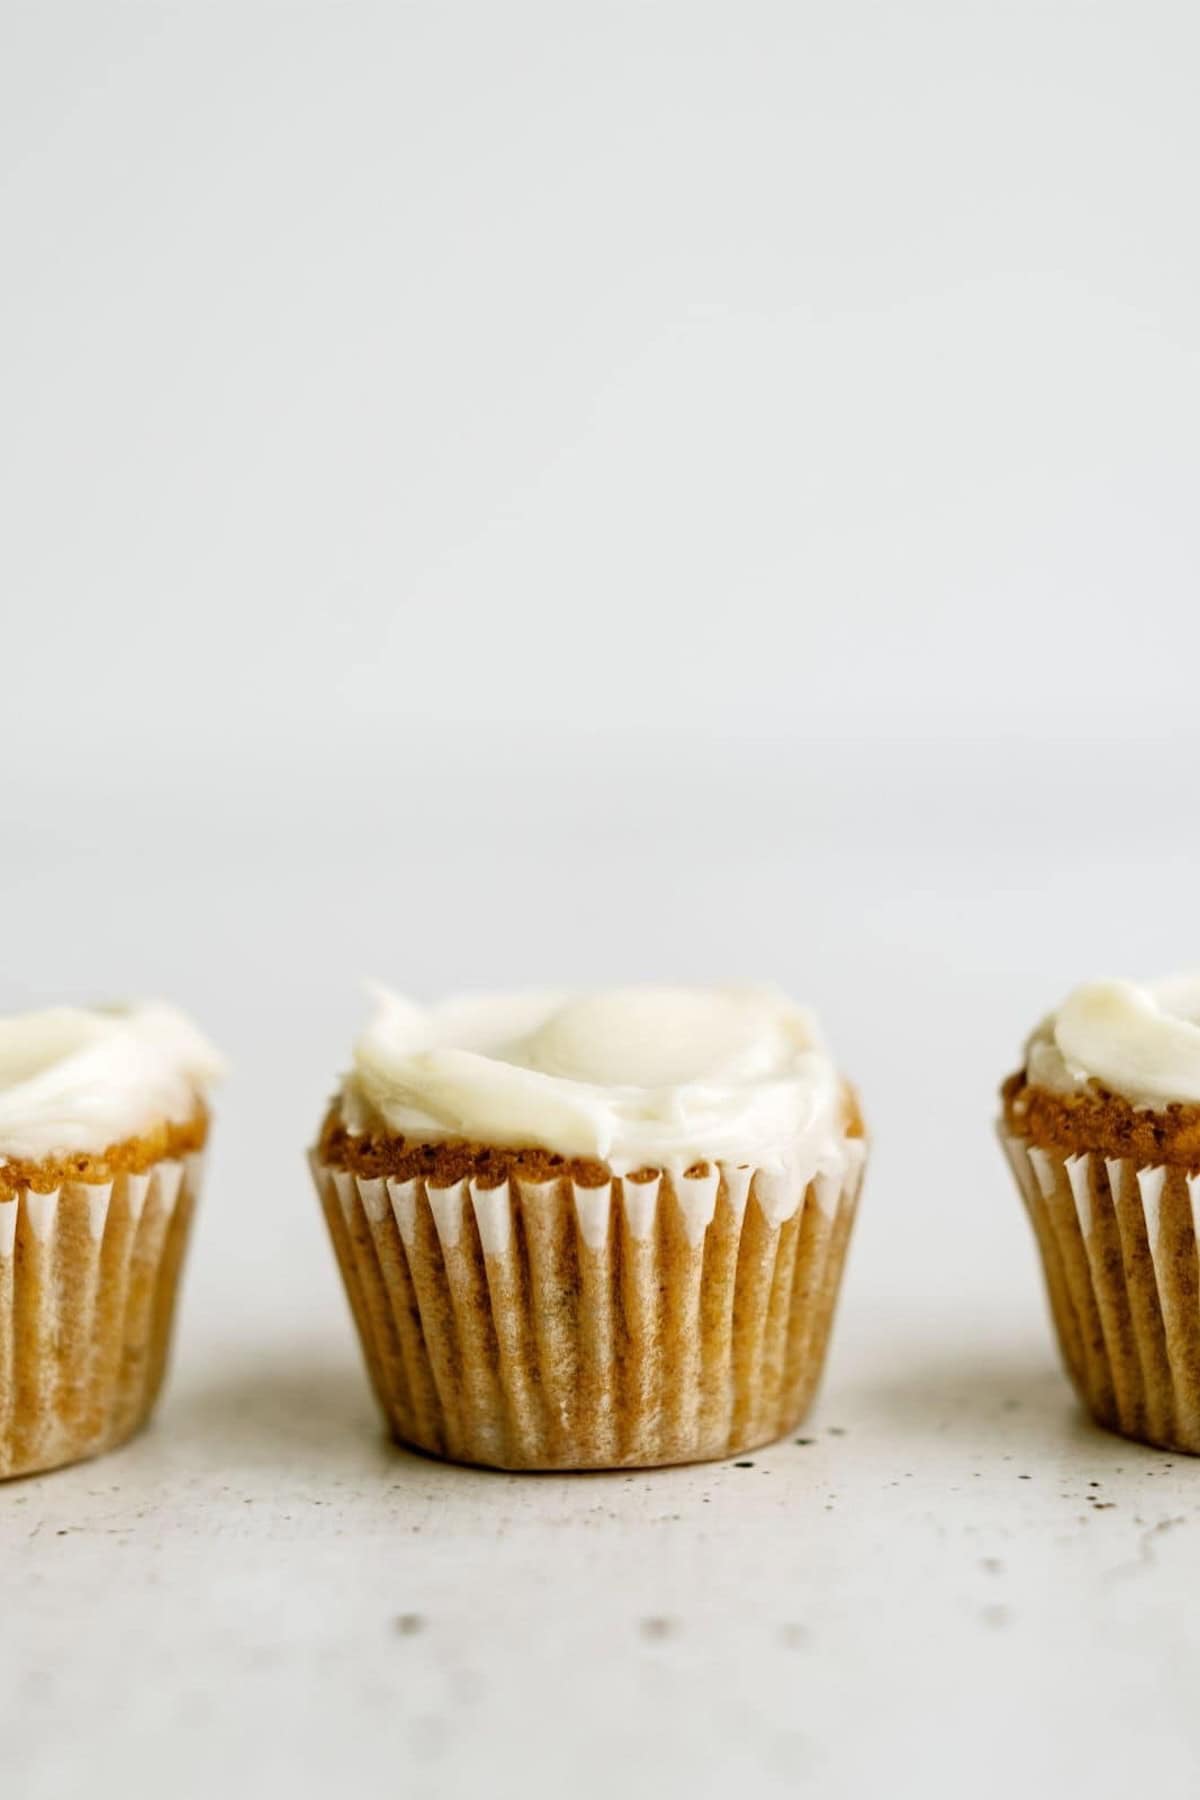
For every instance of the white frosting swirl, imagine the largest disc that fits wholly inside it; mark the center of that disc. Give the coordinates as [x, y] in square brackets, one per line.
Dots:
[1139, 1040]
[75, 1079]
[636, 1077]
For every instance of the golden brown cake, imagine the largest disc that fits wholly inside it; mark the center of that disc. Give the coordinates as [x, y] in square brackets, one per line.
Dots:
[102, 1130]
[592, 1233]
[1102, 1127]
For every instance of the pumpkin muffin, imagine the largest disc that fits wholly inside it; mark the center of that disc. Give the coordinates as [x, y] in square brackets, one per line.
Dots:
[103, 1123]
[1102, 1127]
[592, 1232]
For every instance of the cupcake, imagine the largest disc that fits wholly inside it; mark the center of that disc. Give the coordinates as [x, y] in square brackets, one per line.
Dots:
[1102, 1127]
[103, 1123]
[592, 1232]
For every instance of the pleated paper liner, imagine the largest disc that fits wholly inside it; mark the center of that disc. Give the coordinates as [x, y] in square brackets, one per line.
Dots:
[1118, 1242]
[547, 1325]
[88, 1277]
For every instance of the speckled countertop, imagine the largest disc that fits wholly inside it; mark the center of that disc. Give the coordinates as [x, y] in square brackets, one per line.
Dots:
[946, 1578]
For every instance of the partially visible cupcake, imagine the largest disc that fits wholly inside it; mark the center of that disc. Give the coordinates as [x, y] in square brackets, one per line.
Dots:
[1102, 1126]
[103, 1122]
[592, 1232]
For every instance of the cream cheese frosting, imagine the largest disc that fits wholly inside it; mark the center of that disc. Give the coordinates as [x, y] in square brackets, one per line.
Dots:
[634, 1077]
[75, 1079]
[1140, 1040]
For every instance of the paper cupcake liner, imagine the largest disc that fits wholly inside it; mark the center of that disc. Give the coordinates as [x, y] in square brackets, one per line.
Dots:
[1118, 1242]
[547, 1325]
[88, 1276]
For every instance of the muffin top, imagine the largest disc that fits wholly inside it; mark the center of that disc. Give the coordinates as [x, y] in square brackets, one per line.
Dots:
[77, 1080]
[1116, 1070]
[1138, 1040]
[634, 1077]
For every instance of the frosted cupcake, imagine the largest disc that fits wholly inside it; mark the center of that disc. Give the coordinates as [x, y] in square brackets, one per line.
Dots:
[592, 1232]
[103, 1122]
[1102, 1126]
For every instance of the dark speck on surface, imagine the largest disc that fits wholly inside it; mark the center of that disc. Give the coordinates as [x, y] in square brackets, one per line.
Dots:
[837, 1431]
[408, 1624]
[805, 1442]
[743, 1465]
[656, 1629]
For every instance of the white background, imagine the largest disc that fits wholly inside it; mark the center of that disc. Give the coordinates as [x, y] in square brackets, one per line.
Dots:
[569, 494]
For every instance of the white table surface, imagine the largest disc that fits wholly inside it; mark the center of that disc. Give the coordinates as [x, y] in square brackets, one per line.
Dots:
[954, 1585]
[952, 1581]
